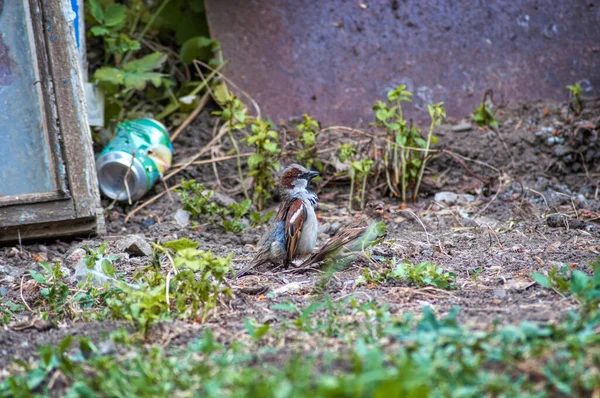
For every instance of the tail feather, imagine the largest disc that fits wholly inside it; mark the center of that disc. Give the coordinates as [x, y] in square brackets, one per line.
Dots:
[314, 259]
[261, 258]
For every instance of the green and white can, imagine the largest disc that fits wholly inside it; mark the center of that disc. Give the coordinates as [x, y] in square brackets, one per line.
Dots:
[140, 153]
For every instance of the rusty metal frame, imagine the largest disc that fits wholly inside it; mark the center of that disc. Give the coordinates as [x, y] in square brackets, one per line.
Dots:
[74, 205]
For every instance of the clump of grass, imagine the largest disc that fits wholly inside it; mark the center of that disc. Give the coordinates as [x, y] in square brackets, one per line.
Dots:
[197, 200]
[483, 115]
[406, 151]
[190, 290]
[422, 274]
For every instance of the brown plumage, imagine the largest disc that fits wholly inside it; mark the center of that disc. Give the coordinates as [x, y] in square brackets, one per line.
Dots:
[344, 241]
[293, 231]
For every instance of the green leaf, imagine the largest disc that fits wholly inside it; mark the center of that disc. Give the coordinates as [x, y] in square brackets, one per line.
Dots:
[107, 74]
[200, 48]
[255, 160]
[541, 280]
[139, 81]
[147, 63]
[262, 331]
[240, 116]
[115, 14]
[420, 142]
[579, 282]
[99, 30]
[107, 268]
[271, 147]
[96, 10]
[39, 278]
[180, 244]
[65, 344]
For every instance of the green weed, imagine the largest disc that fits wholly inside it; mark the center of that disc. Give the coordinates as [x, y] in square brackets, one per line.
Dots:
[189, 291]
[406, 150]
[263, 163]
[363, 350]
[422, 274]
[131, 78]
[483, 115]
[586, 289]
[197, 200]
[307, 155]
[234, 116]
[575, 92]
[437, 114]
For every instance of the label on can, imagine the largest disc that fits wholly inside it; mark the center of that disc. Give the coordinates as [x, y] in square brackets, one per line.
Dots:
[148, 141]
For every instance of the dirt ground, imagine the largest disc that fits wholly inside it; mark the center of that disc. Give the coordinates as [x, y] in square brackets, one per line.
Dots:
[492, 234]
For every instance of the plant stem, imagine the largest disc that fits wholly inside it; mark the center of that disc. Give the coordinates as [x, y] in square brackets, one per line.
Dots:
[238, 159]
[352, 177]
[402, 154]
[403, 180]
[424, 162]
[386, 163]
[364, 188]
[148, 25]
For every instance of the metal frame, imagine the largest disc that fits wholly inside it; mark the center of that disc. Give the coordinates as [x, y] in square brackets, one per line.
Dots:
[74, 205]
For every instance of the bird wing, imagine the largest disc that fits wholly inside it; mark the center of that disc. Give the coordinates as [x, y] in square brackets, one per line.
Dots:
[343, 237]
[294, 221]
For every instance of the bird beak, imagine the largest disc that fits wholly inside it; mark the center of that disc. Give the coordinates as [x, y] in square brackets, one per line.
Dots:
[312, 174]
[379, 209]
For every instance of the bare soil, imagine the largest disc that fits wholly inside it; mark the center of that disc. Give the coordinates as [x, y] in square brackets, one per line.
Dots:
[540, 162]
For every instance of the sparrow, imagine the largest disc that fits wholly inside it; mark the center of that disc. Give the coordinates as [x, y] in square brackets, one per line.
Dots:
[352, 238]
[293, 231]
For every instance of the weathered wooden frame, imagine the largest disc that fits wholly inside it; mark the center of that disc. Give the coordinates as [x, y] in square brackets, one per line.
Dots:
[74, 206]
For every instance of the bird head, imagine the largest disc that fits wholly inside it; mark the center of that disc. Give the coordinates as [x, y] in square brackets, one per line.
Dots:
[375, 209]
[296, 178]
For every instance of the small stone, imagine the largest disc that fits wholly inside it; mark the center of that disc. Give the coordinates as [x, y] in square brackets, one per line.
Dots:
[447, 197]
[74, 256]
[452, 198]
[13, 252]
[222, 199]
[147, 222]
[461, 127]
[12, 271]
[182, 218]
[500, 293]
[66, 271]
[3, 291]
[135, 245]
[561, 150]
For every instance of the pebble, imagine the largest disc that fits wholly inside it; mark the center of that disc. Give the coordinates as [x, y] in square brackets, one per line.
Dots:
[147, 222]
[74, 256]
[451, 197]
[135, 245]
[461, 127]
[222, 199]
[500, 293]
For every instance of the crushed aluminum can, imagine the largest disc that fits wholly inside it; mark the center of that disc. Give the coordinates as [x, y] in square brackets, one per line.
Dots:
[139, 153]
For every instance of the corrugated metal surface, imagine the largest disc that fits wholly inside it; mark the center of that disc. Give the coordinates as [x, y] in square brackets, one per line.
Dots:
[334, 58]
